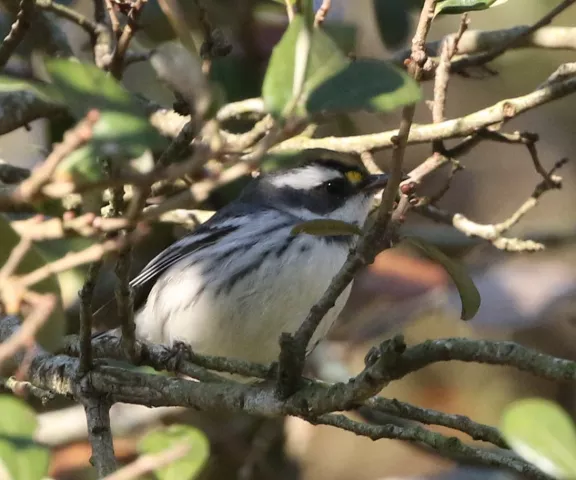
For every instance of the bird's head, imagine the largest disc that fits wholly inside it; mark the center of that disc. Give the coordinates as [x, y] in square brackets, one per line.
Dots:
[320, 188]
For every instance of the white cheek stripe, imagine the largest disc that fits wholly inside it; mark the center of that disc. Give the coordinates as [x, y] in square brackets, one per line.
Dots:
[305, 178]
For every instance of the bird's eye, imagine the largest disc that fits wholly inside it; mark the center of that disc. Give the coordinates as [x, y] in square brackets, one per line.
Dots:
[337, 187]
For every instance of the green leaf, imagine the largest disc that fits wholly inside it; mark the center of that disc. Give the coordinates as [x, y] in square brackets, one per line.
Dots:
[17, 418]
[333, 83]
[186, 468]
[368, 85]
[19, 454]
[393, 21]
[454, 7]
[50, 335]
[543, 434]
[122, 131]
[468, 292]
[325, 60]
[326, 228]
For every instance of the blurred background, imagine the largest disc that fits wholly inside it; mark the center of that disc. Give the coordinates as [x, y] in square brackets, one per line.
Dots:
[529, 298]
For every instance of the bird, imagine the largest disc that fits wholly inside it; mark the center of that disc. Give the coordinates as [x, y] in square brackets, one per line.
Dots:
[233, 285]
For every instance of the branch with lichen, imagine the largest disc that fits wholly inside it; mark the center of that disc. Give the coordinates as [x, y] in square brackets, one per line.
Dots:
[314, 402]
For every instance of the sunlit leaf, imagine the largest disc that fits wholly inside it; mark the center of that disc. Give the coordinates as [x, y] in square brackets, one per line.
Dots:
[186, 468]
[468, 292]
[326, 228]
[368, 85]
[455, 7]
[543, 434]
[51, 333]
[333, 83]
[19, 454]
[324, 61]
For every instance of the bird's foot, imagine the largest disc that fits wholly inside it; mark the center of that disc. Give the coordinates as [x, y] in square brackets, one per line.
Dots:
[178, 353]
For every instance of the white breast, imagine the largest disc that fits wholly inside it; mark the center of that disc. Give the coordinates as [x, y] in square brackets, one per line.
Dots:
[246, 321]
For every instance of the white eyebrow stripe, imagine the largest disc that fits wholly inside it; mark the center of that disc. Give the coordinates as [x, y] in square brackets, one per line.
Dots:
[305, 178]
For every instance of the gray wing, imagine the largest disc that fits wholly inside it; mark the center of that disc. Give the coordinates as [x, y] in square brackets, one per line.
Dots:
[142, 284]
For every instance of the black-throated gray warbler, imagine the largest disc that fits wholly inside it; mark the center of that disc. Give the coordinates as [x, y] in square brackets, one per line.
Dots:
[238, 281]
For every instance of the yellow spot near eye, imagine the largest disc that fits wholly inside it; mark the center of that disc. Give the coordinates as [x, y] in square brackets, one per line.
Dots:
[354, 177]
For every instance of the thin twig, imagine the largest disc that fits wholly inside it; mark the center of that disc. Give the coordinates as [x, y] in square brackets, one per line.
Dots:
[16, 256]
[214, 44]
[69, 14]
[17, 31]
[114, 22]
[289, 10]
[21, 388]
[86, 295]
[150, 462]
[90, 254]
[73, 139]
[449, 49]
[566, 70]
[87, 225]
[123, 292]
[494, 233]
[322, 12]
[476, 431]
[117, 62]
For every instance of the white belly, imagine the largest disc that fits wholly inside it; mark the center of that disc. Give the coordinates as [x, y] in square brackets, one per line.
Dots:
[246, 321]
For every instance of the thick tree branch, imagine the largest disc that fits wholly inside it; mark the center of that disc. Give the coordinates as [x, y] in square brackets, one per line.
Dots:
[100, 435]
[59, 374]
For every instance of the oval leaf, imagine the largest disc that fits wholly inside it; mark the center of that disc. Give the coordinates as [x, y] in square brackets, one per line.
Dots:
[367, 85]
[326, 228]
[186, 468]
[19, 454]
[50, 334]
[454, 7]
[468, 292]
[543, 434]
[325, 59]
